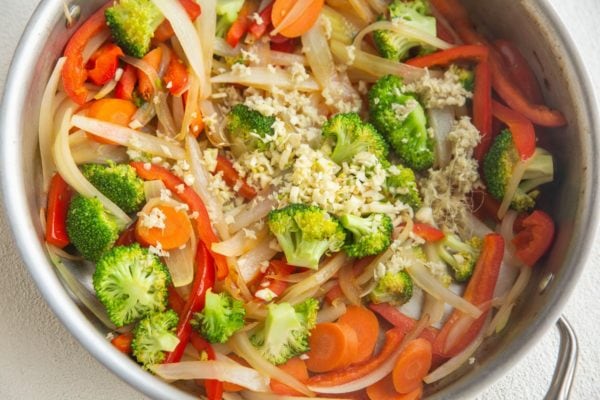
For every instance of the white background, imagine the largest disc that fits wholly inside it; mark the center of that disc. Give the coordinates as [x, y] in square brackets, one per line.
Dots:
[40, 360]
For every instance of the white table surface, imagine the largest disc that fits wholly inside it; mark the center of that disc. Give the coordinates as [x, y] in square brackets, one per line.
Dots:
[39, 359]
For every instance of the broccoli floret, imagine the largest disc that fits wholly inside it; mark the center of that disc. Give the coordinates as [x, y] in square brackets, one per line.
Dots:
[370, 235]
[466, 77]
[221, 317]
[153, 336]
[247, 129]
[401, 184]
[285, 331]
[227, 12]
[402, 121]
[460, 256]
[90, 228]
[395, 288]
[305, 233]
[132, 24]
[131, 283]
[414, 13]
[118, 182]
[498, 166]
[352, 136]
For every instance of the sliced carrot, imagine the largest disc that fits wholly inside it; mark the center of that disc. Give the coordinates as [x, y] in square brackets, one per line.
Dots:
[302, 24]
[145, 86]
[116, 111]
[332, 346]
[412, 366]
[385, 390]
[123, 342]
[176, 232]
[296, 368]
[365, 324]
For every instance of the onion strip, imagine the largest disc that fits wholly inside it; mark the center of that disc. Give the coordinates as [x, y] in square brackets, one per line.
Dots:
[331, 313]
[253, 212]
[249, 264]
[501, 318]
[512, 187]
[266, 79]
[240, 243]
[271, 396]
[348, 284]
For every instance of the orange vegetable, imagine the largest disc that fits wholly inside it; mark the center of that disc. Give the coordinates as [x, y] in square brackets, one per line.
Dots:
[384, 390]
[302, 24]
[176, 233]
[233, 179]
[126, 84]
[412, 366]
[104, 63]
[366, 326]
[240, 26]
[295, 367]
[176, 76]
[144, 84]
[123, 342]
[116, 111]
[332, 346]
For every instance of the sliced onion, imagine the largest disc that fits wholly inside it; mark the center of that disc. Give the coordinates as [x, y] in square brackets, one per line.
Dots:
[294, 14]
[223, 49]
[181, 262]
[130, 138]
[506, 226]
[240, 243]
[325, 272]
[98, 153]
[67, 168]
[214, 132]
[178, 111]
[434, 308]
[461, 326]
[46, 122]
[106, 89]
[513, 185]
[164, 60]
[164, 114]
[380, 6]
[331, 313]
[282, 58]
[455, 362]
[426, 281]
[249, 264]
[191, 108]
[188, 37]
[475, 226]
[501, 318]
[270, 396]
[266, 79]
[201, 186]
[441, 121]
[362, 10]
[220, 370]
[145, 68]
[348, 284]
[318, 55]
[153, 189]
[93, 44]
[242, 347]
[143, 116]
[206, 26]
[254, 211]
[343, 30]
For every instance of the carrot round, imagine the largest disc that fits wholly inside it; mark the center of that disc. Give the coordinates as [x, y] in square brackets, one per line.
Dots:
[302, 24]
[412, 366]
[295, 367]
[176, 232]
[153, 58]
[332, 346]
[116, 111]
[366, 326]
[384, 390]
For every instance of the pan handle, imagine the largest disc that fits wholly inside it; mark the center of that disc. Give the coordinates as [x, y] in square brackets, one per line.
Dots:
[562, 381]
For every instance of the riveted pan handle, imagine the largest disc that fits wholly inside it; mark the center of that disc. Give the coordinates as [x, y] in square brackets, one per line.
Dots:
[562, 381]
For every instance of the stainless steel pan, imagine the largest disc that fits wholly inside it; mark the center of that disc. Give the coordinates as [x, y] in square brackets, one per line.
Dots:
[573, 200]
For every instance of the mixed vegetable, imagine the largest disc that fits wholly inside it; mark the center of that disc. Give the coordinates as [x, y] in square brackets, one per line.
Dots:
[296, 198]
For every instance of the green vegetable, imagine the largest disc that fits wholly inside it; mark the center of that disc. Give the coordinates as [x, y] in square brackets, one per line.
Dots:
[395, 288]
[460, 256]
[285, 332]
[132, 24]
[352, 136]
[153, 336]
[465, 76]
[305, 233]
[118, 182]
[131, 283]
[401, 184]
[370, 235]
[90, 228]
[498, 166]
[221, 317]
[402, 121]
[247, 129]
[227, 12]
[414, 13]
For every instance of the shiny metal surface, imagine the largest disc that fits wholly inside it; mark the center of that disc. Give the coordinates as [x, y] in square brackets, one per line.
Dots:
[562, 381]
[575, 204]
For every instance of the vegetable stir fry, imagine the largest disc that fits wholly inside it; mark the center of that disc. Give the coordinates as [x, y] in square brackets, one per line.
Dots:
[296, 198]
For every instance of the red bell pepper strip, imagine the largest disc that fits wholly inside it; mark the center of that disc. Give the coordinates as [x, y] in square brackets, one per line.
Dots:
[127, 237]
[125, 86]
[233, 179]
[240, 26]
[195, 204]
[444, 33]
[480, 290]
[192, 8]
[394, 316]
[522, 130]
[474, 52]
[520, 70]
[482, 108]
[74, 73]
[286, 46]
[123, 342]
[534, 238]
[427, 232]
[59, 196]
[258, 30]
[456, 14]
[104, 64]
[214, 388]
[334, 293]
[485, 206]
[278, 268]
[176, 302]
[176, 76]
[204, 279]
